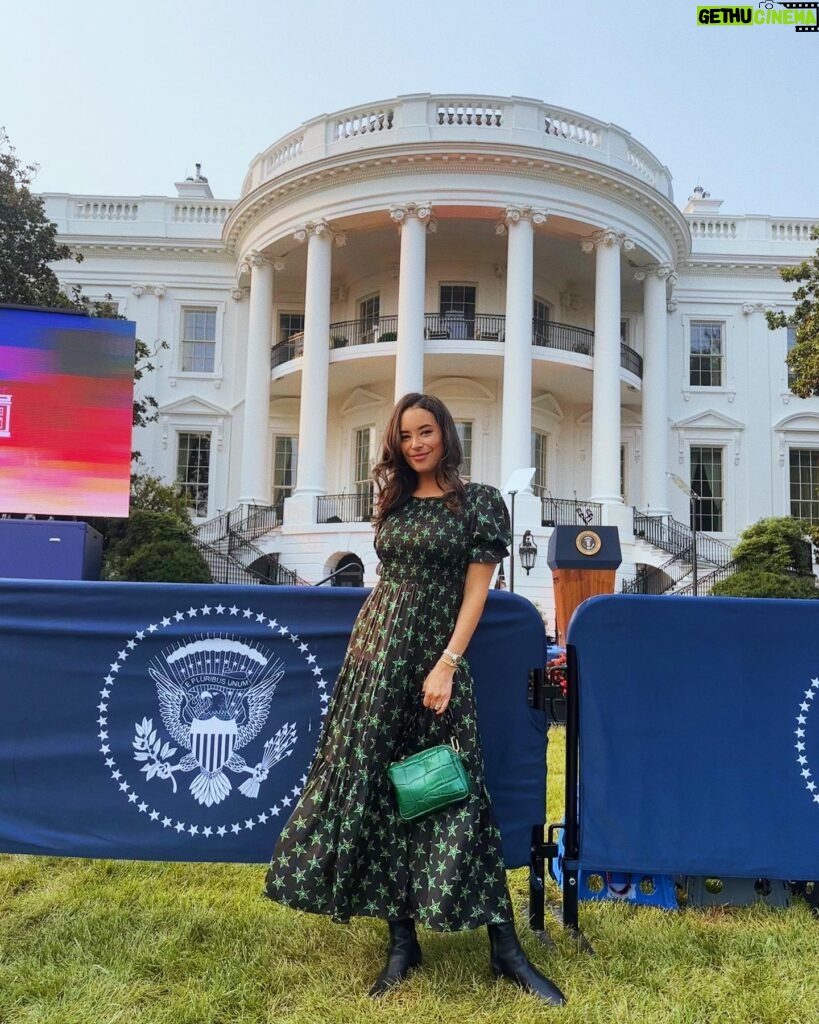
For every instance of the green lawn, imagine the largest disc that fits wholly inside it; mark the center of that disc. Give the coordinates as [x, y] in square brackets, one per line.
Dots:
[97, 942]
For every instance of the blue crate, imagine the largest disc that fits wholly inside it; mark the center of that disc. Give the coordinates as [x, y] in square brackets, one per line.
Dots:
[628, 887]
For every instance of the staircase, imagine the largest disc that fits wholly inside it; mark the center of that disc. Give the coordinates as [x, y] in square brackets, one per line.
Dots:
[677, 539]
[226, 544]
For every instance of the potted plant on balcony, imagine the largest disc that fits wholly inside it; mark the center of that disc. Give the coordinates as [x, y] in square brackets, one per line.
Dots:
[388, 336]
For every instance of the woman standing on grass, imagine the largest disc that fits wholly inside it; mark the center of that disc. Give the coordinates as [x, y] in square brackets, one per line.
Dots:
[345, 850]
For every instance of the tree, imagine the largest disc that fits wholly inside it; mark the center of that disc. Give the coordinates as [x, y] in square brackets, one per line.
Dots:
[803, 358]
[155, 543]
[28, 243]
[774, 561]
[28, 239]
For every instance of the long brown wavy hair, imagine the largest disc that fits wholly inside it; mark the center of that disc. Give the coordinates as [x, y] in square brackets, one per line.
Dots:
[396, 479]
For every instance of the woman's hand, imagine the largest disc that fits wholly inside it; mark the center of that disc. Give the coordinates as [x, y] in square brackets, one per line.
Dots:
[437, 688]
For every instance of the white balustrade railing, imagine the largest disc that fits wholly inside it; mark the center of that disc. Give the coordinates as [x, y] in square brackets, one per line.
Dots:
[424, 117]
[202, 212]
[470, 112]
[363, 122]
[711, 228]
[792, 231]
[99, 209]
[567, 127]
[288, 150]
[641, 163]
[750, 231]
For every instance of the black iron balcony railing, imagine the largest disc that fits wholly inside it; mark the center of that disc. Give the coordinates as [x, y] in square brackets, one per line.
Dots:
[569, 512]
[344, 508]
[449, 327]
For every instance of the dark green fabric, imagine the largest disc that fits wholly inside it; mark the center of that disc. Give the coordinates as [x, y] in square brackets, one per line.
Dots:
[346, 850]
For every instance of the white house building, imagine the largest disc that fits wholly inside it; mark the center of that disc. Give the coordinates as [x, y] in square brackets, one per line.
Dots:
[525, 263]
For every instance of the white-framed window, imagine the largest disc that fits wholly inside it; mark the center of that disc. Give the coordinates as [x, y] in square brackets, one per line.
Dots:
[803, 469]
[464, 429]
[456, 308]
[708, 481]
[706, 360]
[540, 460]
[106, 305]
[198, 339]
[541, 315]
[285, 466]
[289, 324]
[790, 342]
[369, 311]
[193, 469]
[363, 439]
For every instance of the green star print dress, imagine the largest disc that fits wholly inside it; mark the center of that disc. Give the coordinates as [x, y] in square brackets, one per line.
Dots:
[345, 850]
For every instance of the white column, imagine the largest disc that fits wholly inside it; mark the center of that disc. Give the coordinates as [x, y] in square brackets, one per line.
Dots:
[254, 486]
[311, 474]
[516, 423]
[655, 389]
[605, 461]
[413, 219]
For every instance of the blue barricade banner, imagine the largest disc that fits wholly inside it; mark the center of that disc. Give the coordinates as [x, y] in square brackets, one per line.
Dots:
[699, 736]
[177, 722]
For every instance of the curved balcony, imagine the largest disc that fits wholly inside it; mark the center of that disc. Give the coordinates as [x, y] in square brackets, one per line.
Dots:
[424, 118]
[481, 327]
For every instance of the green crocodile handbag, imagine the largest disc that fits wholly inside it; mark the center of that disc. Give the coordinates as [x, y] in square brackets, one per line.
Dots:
[429, 780]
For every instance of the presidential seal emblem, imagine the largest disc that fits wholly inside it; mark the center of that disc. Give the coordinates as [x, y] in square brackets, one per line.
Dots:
[198, 722]
[588, 542]
[214, 697]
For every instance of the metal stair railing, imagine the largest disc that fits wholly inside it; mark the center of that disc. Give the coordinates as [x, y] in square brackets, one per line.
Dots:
[227, 568]
[704, 583]
[226, 543]
[676, 538]
[659, 579]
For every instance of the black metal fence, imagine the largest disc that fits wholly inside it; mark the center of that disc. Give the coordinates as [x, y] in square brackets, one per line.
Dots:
[659, 579]
[344, 508]
[448, 326]
[569, 512]
[676, 538]
[249, 520]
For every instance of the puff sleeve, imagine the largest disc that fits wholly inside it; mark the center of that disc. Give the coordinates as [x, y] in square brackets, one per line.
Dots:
[490, 534]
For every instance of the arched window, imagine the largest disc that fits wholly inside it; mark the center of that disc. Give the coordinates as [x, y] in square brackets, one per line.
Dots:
[351, 574]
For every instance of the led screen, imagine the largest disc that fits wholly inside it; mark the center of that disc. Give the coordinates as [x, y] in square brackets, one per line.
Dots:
[66, 400]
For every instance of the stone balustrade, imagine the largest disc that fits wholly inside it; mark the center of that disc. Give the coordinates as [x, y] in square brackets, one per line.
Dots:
[137, 216]
[752, 235]
[424, 118]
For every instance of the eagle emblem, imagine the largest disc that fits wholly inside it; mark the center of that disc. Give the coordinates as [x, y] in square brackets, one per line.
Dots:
[214, 698]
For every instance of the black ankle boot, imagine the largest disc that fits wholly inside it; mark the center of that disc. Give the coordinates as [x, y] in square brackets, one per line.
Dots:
[403, 955]
[507, 959]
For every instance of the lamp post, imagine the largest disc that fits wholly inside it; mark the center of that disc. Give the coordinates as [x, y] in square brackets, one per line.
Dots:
[693, 498]
[528, 552]
[520, 480]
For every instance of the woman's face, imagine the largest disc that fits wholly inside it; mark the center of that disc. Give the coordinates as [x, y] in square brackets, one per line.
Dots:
[422, 443]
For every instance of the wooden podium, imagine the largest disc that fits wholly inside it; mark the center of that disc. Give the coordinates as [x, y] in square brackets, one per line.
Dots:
[583, 561]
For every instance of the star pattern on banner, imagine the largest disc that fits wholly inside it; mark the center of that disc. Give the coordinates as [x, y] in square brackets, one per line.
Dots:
[801, 755]
[345, 850]
[142, 806]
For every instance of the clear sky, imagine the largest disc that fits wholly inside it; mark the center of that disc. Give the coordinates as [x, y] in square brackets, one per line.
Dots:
[124, 99]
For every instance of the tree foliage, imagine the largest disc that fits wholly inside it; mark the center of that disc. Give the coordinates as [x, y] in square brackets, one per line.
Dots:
[772, 556]
[803, 358]
[28, 243]
[762, 583]
[155, 543]
[28, 239]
